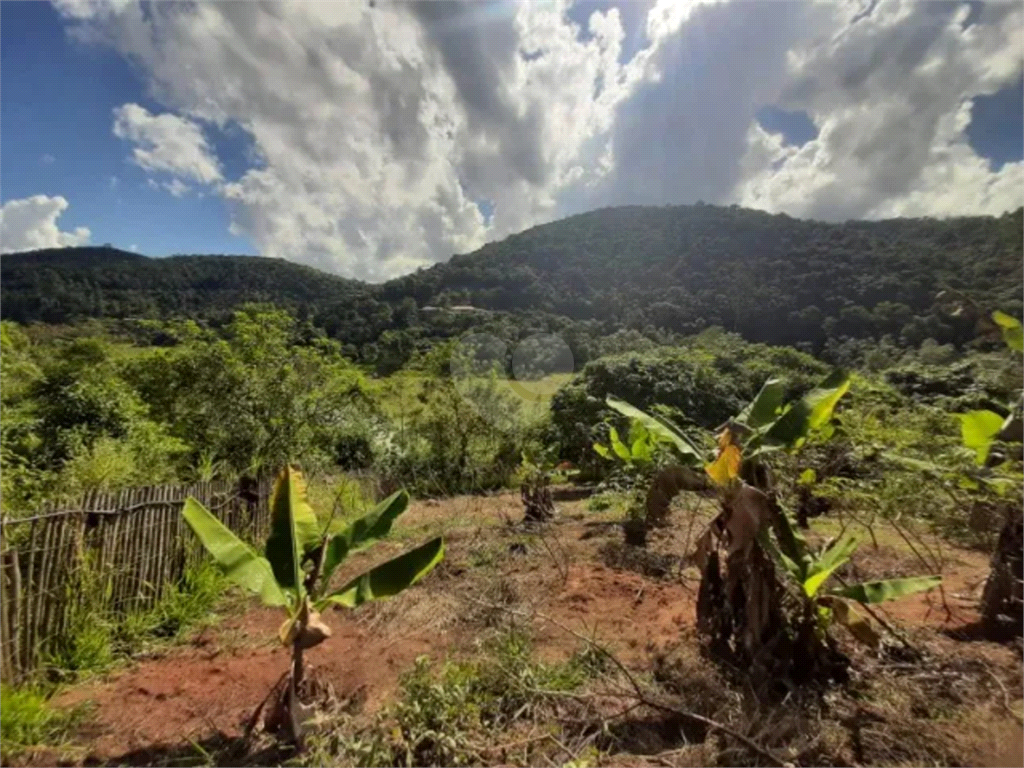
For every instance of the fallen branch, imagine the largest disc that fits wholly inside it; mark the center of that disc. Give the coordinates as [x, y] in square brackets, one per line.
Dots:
[1006, 694]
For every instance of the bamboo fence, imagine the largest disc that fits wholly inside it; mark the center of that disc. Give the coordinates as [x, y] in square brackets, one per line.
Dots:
[107, 553]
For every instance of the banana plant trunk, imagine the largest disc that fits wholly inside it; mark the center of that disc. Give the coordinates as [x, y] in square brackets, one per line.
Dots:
[297, 664]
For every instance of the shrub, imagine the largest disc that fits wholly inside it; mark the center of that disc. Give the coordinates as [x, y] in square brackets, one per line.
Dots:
[700, 383]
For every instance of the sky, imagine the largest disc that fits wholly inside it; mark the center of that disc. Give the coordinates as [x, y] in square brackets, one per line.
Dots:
[370, 138]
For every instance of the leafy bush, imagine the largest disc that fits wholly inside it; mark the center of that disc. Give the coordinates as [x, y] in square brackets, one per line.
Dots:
[700, 383]
[448, 438]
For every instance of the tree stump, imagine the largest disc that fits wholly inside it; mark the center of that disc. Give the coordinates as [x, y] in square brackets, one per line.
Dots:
[1002, 603]
[538, 504]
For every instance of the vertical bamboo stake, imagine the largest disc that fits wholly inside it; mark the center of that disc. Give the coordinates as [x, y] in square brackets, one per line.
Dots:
[149, 556]
[156, 556]
[128, 533]
[18, 605]
[171, 538]
[113, 552]
[17, 612]
[6, 668]
[55, 602]
[26, 648]
[100, 544]
[46, 601]
[138, 550]
[66, 585]
[166, 528]
[51, 526]
[156, 516]
[173, 513]
[141, 545]
[160, 521]
[180, 547]
[127, 563]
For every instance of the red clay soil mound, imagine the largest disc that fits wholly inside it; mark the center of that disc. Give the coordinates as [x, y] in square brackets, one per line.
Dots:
[206, 688]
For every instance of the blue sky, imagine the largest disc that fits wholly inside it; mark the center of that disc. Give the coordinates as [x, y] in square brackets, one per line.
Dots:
[56, 123]
[338, 147]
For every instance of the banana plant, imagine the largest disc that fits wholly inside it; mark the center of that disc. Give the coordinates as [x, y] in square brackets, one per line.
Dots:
[299, 559]
[980, 429]
[812, 571]
[765, 425]
[638, 450]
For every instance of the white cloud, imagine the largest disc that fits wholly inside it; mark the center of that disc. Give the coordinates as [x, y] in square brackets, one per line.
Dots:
[175, 186]
[377, 130]
[31, 223]
[47, 159]
[892, 96]
[167, 143]
[84, 9]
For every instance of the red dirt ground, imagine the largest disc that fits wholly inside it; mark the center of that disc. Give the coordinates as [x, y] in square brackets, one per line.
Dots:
[213, 683]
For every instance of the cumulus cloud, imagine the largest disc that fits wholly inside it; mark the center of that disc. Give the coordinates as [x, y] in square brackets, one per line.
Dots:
[892, 96]
[167, 143]
[31, 223]
[381, 131]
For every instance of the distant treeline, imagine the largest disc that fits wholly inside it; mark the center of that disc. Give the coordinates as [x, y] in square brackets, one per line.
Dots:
[656, 272]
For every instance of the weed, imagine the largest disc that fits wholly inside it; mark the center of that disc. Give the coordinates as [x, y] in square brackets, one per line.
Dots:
[451, 716]
[181, 607]
[28, 720]
[96, 638]
[602, 502]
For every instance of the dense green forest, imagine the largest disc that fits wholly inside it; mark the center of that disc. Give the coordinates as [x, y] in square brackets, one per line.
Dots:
[68, 284]
[640, 275]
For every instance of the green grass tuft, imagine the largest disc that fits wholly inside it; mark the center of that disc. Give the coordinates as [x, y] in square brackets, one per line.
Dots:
[27, 720]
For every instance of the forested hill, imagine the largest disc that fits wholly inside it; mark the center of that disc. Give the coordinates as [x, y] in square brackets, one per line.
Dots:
[770, 277]
[68, 284]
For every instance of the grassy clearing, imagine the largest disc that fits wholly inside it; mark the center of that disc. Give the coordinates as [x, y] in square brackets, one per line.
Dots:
[399, 394]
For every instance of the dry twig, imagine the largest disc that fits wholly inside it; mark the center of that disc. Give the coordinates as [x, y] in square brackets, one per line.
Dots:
[643, 696]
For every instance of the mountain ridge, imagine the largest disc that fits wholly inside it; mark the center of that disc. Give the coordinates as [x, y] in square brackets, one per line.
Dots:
[770, 277]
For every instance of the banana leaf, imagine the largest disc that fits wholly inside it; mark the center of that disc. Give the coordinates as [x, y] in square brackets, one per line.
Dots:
[239, 563]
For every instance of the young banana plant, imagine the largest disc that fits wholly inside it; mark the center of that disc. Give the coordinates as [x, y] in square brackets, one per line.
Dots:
[765, 425]
[811, 573]
[300, 557]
